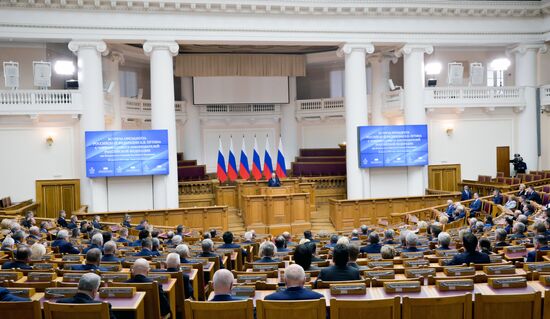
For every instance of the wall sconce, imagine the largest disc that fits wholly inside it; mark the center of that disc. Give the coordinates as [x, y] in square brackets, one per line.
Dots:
[449, 131]
[49, 140]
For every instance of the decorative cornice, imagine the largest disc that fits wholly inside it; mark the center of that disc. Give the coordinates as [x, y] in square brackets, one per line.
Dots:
[100, 46]
[395, 8]
[410, 48]
[170, 46]
[382, 56]
[117, 57]
[347, 48]
[523, 48]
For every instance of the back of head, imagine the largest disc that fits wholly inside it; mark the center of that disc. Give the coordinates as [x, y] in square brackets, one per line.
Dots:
[485, 243]
[23, 253]
[176, 240]
[387, 252]
[248, 236]
[179, 229]
[207, 245]
[280, 242]
[302, 256]
[182, 250]
[500, 234]
[334, 239]
[147, 243]
[444, 239]
[353, 252]
[97, 239]
[222, 281]
[308, 235]
[435, 230]
[144, 233]
[340, 255]
[37, 251]
[109, 248]
[388, 234]
[107, 235]
[374, 238]
[364, 229]
[172, 260]
[541, 240]
[156, 243]
[354, 233]
[89, 283]
[411, 239]
[227, 237]
[140, 267]
[470, 242]
[295, 276]
[93, 256]
[267, 249]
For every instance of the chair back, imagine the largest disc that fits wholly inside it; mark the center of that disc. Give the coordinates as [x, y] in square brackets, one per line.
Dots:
[326, 284]
[54, 310]
[20, 309]
[303, 309]
[457, 307]
[220, 309]
[152, 301]
[38, 286]
[382, 308]
[517, 306]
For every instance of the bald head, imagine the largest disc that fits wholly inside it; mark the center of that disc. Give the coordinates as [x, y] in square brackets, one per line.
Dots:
[295, 276]
[140, 267]
[223, 281]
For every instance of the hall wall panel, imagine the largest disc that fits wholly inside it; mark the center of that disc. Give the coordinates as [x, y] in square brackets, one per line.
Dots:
[322, 134]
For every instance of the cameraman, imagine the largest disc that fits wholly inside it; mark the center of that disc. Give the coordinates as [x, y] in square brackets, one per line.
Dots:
[519, 165]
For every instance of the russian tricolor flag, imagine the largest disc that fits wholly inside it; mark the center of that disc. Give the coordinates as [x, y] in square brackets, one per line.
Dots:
[244, 171]
[268, 165]
[232, 163]
[256, 165]
[281, 166]
[222, 173]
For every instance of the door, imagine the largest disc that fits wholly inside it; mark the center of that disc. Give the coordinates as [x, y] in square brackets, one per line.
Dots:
[503, 160]
[57, 194]
[444, 177]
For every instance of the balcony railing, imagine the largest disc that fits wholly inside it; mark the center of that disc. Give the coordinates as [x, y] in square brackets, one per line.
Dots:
[140, 108]
[474, 97]
[21, 102]
[320, 108]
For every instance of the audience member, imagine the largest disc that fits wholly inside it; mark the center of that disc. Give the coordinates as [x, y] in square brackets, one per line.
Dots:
[295, 279]
[22, 257]
[471, 255]
[340, 271]
[93, 259]
[140, 271]
[223, 282]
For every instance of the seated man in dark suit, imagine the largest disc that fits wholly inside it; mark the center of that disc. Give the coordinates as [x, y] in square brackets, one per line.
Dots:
[497, 197]
[532, 195]
[541, 244]
[223, 282]
[141, 236]
[374, 244]
[274, 181]
[96, 242]
[146, 248]
[353, 255]
[183, 251]
[22, 258]
[140, 270]
[340, 271]
[411, 240]
[93, 258]
[88, 286]
[466, 194]
[333, 240]
[309, 235]
[471, 255]
[280, 244]
[450, 208]
[444, 240]
[207, 246]
[61, 219]
[5, 295]
[500, 238]
[123, 235]
[475, 206]
[228, 241]
[267, 252]
[126, 221]
[518, 231]
[295, 278]
[109, 250]
[73, 223]
[142, 225]
[389, 235]
[173, 265]
[65, 247]
[95, 222]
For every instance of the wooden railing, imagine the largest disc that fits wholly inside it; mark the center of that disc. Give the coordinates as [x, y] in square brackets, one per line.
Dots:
[19, 208]
[486, 188]
[197, 193]
[327, 187]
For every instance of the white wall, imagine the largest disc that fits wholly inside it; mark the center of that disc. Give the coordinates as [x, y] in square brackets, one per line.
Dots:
[130, 193]
[26, 157]
[322, 134]
[25, 55]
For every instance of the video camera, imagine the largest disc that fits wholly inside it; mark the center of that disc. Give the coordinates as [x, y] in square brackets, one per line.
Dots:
[519, 165]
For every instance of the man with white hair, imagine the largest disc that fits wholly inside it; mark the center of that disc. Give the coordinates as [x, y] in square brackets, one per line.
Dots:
[267, 252]
[140, 271]
[412, 240]
[34, 234]
[207, 246]
[248, 238]
[123, 236]
[87, 291]
[450, 208]
[37, 251]
[374, 245]
[444, 240]
[7, 244]
[183, 251]
[354, 235]
[173, 265]
[518, 231]
[109, 250]
[223, 282]
[65, 247]
[295, 278]
[97, 242]
[176, 240]
[93, 259]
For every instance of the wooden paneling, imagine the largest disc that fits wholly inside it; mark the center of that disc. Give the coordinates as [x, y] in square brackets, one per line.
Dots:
[197, 193]
[226, 195]
[55, 195]
[444, 177]
[503, 160]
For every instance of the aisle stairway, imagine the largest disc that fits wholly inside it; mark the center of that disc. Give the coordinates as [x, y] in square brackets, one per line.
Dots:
[236, 223]
[320, 220]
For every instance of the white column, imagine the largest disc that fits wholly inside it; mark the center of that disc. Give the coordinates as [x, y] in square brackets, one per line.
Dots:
[192, 133]
[380, 70]
[356, 110]
[526, 77]
[163, 117]
[93, 192]
[289, 125]
[114, 60]
[415, 112]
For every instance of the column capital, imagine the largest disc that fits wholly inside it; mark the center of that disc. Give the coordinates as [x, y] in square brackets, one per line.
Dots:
[383, 56]
[171, 46]
[347, 48]
[410, 48]
[99, 45]
[117, 57]
[524, 47]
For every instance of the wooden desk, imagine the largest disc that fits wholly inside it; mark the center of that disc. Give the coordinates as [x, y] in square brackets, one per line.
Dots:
[134, 305]
[170, 289]
[194, 282]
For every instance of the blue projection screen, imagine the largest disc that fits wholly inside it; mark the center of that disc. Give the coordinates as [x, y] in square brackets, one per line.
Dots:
[126, 153]
[395, 145]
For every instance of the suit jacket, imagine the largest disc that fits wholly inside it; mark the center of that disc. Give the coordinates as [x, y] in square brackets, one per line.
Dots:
[136, 243]
[92, 246]
[371, 249]
[466, 258]
[411, 249]
[144, 253]
[229, 246]
[140, 227]
[62, 222]
[335, 273]
[15, 264]
[225, 298]
[450, 210]
[110, 258]
[498, 199]
[475, 206]
[5, 295]
[209, 255]
[276, 182]
[294, 293]
[533, 254]
[65, 247]
[97, 225]
[81, 298]
[534, 196]
[187, 287]
[71, 226]
[465, 195]
[164, 303]
[87, 267]
[126, 224]
[122, 240]
[267, 260]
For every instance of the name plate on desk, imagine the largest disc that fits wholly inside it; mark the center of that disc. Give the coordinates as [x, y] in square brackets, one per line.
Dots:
[41, 276]
[72, 277]
[510, 282]
[459, 271]
[10, 275]
[374, 256]
[119, 277]
[419, 272]
[72, 258]
[495, 259]
[282, 288]
[111, 267]
[159, 259]
[199, 261]
[259, 267]
[186, 268]
[500, 269]
[380, 274]
[44, 266]
[402, 286]
[545, 280]
[348, 289]
[444, 261]
[458, 284]
[56, 293]
[414, 254]
[540, 267]
[131, 259]
[117, 292]
[245, 291]
[515, 249]
[446, 253]
[160, 278]
[22, 292]
[416, 263]
[250, 279]
[381, 264]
